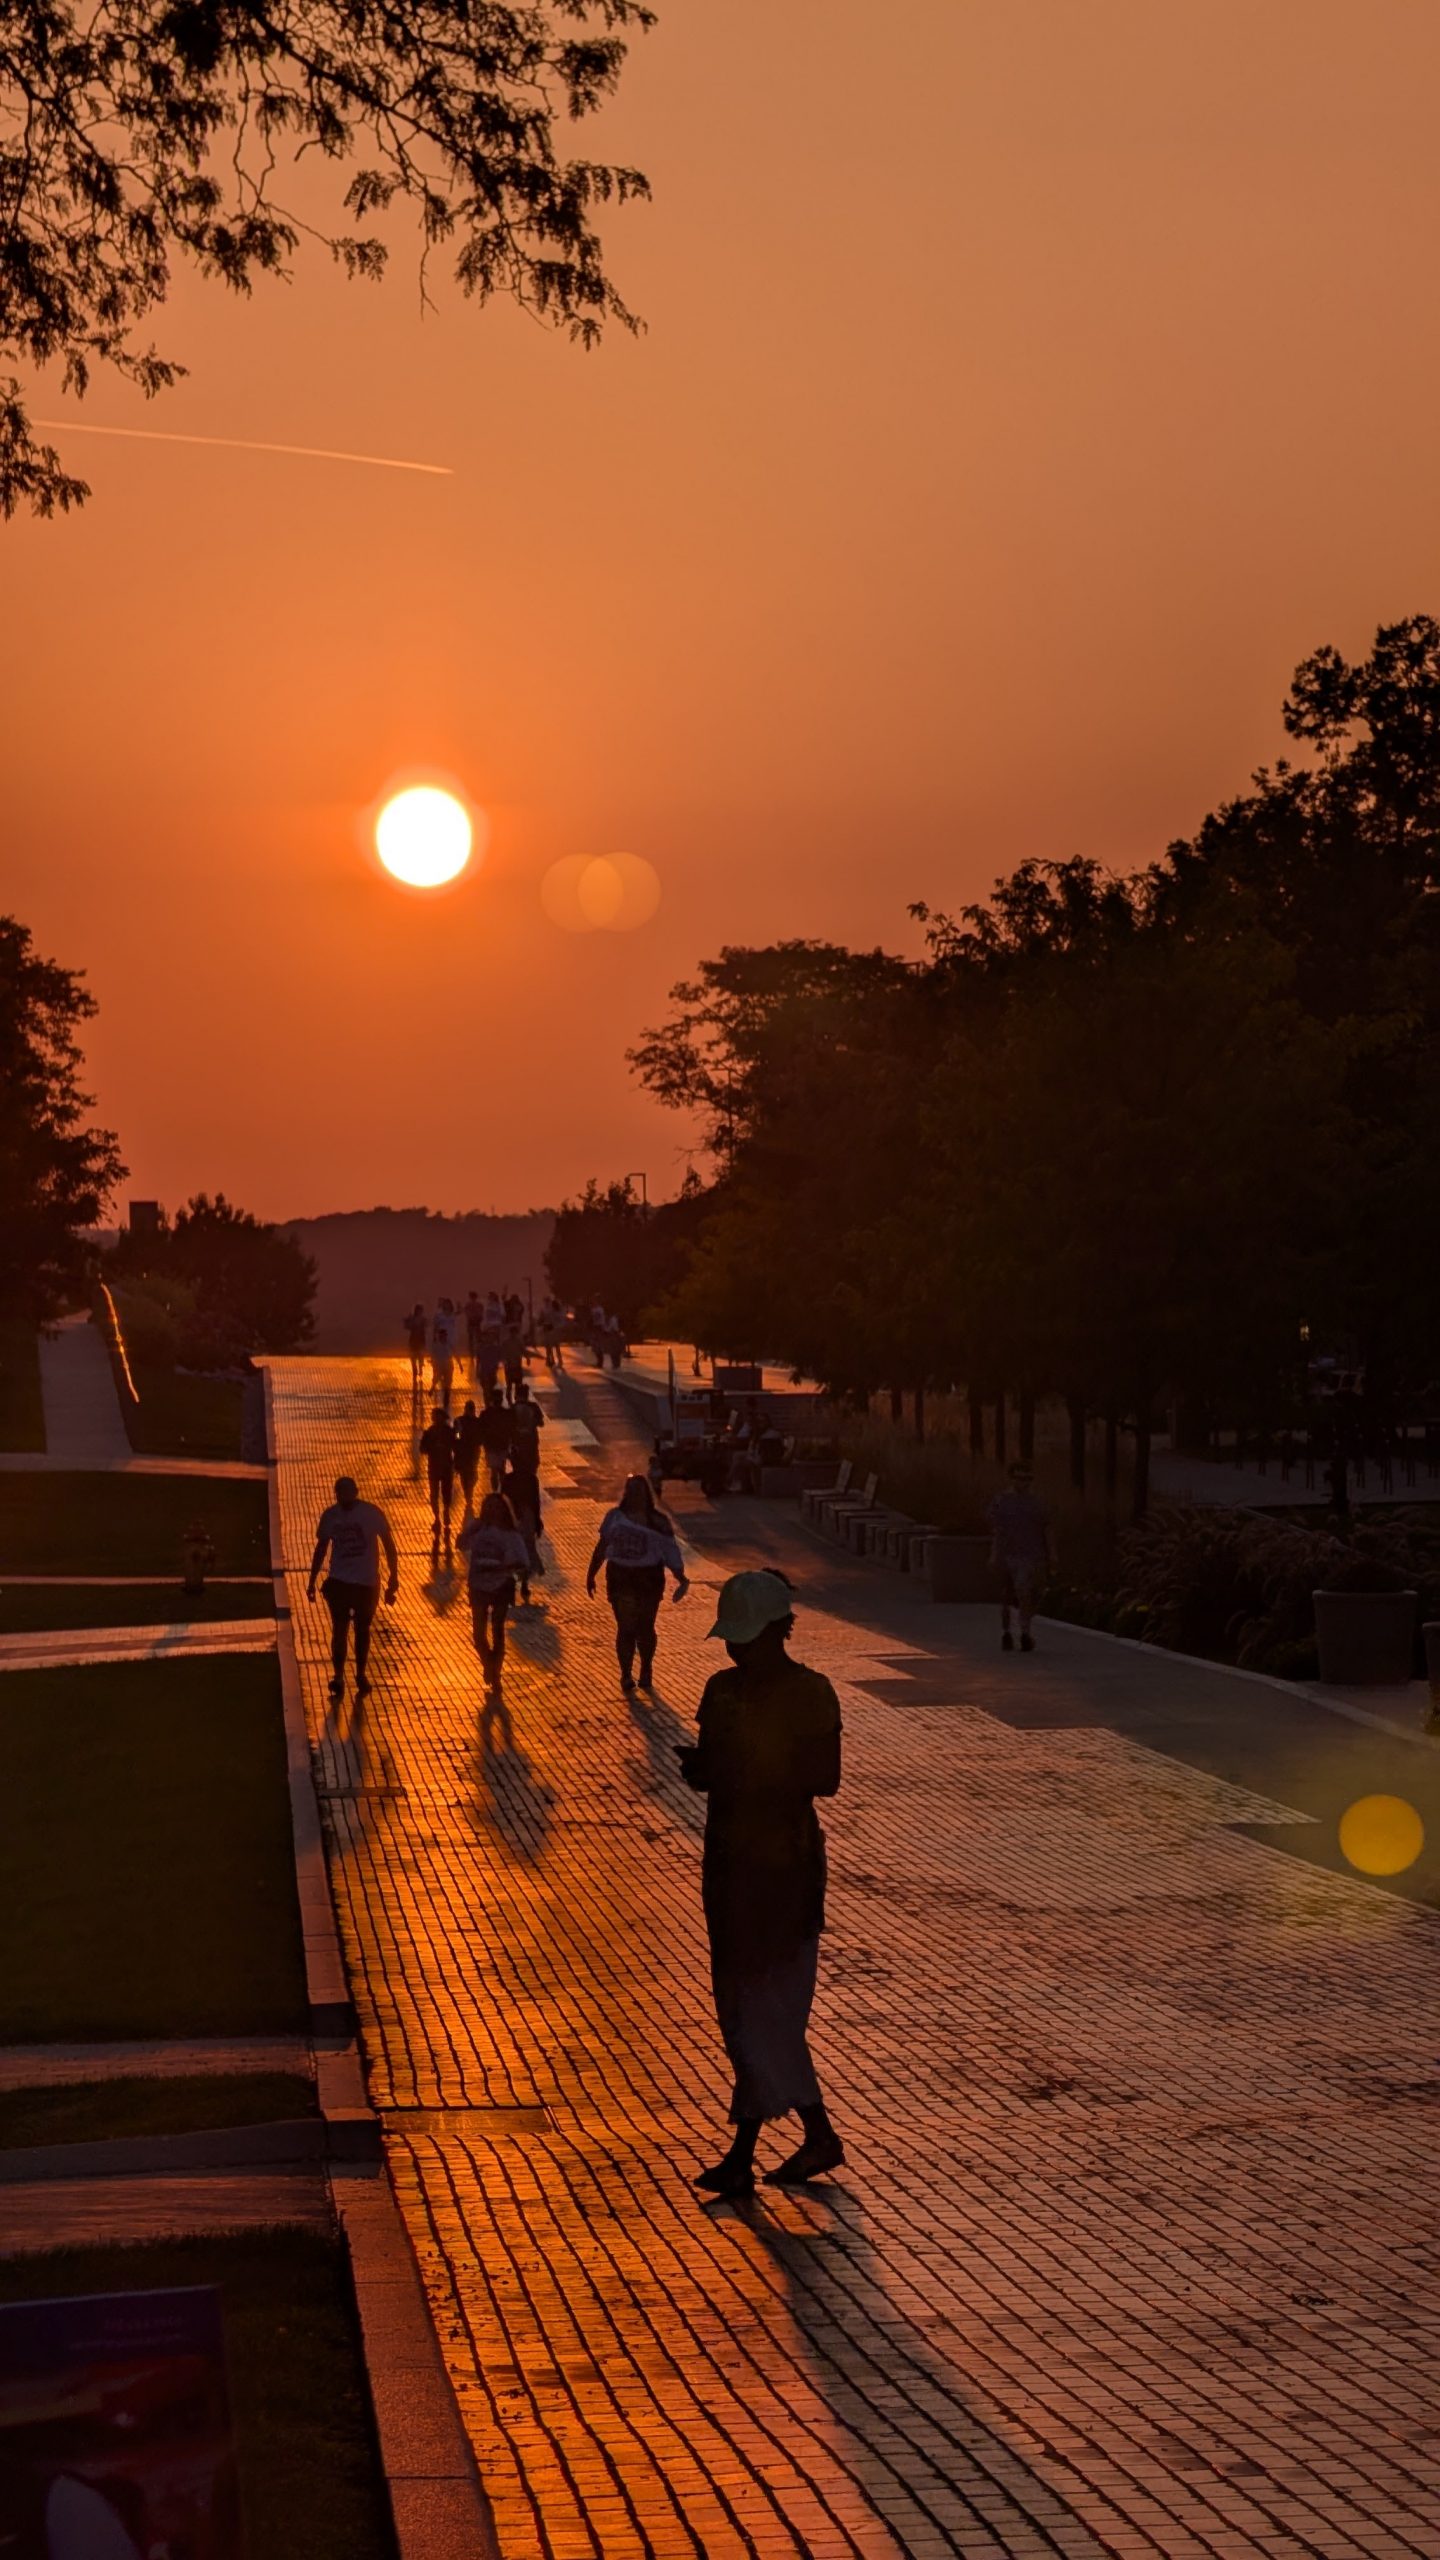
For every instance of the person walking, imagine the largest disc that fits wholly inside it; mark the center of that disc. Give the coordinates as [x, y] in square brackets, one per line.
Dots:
[442, 1351]
[497, 1434]
[474, 1323]
[492, 1328]
[416, 1336]
[526, 1424]
[522, 1494]
[437, 1447]
[353, 1533]
[551, 1329]
[512, 1347]
[635, 1545]
[495, 1553]
[768, 1745]
[467, 1453]
[1022, 1552]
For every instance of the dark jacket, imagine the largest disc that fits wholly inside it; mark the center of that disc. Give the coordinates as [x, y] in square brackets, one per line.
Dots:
[767, 1748]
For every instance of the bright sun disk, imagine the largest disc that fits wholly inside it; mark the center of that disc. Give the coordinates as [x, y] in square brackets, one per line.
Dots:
[423, 836]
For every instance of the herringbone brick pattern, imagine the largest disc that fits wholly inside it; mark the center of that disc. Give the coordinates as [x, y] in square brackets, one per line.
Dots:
[1136, 2251]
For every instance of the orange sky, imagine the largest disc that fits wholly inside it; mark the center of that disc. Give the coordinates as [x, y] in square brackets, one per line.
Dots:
[1026, 387]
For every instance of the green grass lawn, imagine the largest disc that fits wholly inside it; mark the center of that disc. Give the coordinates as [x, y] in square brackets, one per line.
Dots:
[146, 1877]
[183, 1417]
[103, 2110]
[94, 1523]
[28, 1606]
[310, 2477]
[22, 1418]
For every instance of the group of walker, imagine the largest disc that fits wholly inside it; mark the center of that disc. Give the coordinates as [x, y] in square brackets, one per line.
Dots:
[499, 1332]
[768, 1743]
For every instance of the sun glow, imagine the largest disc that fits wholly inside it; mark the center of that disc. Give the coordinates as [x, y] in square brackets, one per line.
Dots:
[423, 836]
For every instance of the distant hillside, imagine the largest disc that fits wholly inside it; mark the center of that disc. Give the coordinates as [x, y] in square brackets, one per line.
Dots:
[374, 1264]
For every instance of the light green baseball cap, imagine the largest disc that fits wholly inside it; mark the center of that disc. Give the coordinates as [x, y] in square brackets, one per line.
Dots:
[750, 1602]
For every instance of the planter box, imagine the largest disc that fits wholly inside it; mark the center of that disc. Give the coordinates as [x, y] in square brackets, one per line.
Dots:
[784, 1484]
[1366, 1639]
[960, 1569]
[817, 1475]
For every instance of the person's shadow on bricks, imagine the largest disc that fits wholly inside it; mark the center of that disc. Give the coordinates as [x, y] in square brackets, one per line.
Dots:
[663, 1733]
[443, 1586]
[534, 1635]
[511, 1799]
[914, 2441]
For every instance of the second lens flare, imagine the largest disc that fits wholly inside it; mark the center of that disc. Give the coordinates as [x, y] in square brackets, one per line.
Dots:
[600, 893]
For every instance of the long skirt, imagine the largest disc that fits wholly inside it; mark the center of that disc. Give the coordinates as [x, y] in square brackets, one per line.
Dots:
[763, 2017]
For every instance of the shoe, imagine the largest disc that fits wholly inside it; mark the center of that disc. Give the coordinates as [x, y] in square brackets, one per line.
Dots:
[1027, 1644]
[337, 1688]
[1007, 1642]
[627, 1685]
[647, 1679]
[362, 1688]
[727, 2178]
[812, 2160]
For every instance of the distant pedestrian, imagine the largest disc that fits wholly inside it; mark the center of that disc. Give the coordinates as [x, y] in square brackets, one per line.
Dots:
[551, 1329]
[474, 1326]
[442, 1350]
[615, 1343]
[495, 1554]
[636, 1544]
[417, 1335]
[526, 1424]
[467, 1453]
[437, 1447]
[512, 1351]
[353, 1533]
[769, 1744]
[1022, 1552]
[497, 1435]
[520, 1492]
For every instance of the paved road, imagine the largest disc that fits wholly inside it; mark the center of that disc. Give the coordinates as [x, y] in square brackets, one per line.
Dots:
[1136, 2253]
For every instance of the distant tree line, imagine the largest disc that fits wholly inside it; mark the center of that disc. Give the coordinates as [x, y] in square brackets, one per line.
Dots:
[213, 1285]
[627, 1254]
[1124, 1141]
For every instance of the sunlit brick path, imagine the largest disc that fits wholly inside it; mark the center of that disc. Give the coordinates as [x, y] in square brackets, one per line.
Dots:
[1137, 2250]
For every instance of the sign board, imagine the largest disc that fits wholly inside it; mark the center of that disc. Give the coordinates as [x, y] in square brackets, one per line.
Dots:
[115, 2433]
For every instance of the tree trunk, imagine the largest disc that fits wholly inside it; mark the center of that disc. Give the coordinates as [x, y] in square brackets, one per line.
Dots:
[1000, 1431]
[977, 1425]
[897, 1404]
[919, 1413]
[1076, 1409]
[1112, 1452]
[1140, 1491]
[1027, 1428]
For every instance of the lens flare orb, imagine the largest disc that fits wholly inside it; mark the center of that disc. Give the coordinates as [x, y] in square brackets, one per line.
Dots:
[1381, 1835]
[423, 836]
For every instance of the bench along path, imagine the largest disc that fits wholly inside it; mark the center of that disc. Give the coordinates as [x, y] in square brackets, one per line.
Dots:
[1136, 2250]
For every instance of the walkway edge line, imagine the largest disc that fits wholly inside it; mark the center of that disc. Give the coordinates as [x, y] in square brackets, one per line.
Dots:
[327, 1987]
[1263, 1679]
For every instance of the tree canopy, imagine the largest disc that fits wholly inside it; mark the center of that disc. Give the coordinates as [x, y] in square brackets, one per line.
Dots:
[137, 132]
[251, 1285]
[1117, 1139]
[56, 1171]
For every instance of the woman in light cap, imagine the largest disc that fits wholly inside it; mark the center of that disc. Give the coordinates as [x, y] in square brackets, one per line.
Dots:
[769, 1744]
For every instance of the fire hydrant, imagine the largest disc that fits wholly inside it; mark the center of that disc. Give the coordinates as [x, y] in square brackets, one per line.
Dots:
[197, 1552]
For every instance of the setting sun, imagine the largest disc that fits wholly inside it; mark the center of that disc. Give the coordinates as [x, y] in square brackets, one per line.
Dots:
[423, 836]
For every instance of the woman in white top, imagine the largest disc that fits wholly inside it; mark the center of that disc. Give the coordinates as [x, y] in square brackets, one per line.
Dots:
[635, 1545]
[496, 1553]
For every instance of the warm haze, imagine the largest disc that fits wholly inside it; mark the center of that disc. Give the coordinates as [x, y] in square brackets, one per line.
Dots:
[1025, 390]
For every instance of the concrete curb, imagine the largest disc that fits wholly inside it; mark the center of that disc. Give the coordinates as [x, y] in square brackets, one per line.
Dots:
[142, 2155]
[437, 2502]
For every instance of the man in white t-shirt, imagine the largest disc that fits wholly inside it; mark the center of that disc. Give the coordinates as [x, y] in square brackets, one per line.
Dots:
[353, 1532]
[442, 1350]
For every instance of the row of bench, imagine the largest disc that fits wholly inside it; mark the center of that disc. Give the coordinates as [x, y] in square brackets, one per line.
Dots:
[857, 1519]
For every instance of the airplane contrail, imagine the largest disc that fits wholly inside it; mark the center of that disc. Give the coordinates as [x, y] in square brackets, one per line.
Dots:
[244, 444]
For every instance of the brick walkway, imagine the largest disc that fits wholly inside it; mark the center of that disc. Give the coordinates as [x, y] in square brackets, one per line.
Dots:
[1136, 2251]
